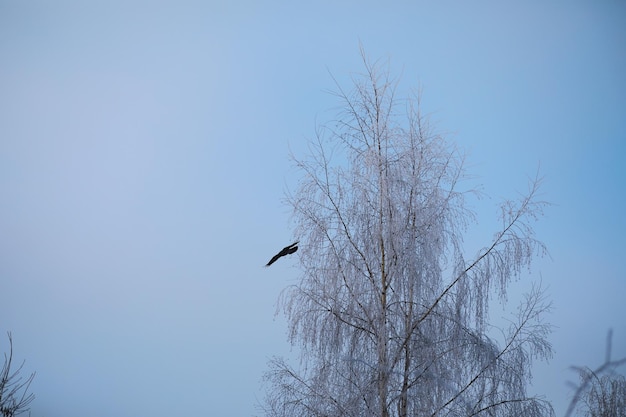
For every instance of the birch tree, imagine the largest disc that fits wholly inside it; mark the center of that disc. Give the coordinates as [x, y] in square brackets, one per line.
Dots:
[389, 314]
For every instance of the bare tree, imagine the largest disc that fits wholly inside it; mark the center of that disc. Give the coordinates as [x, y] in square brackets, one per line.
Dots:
[391, 318]
[601, 391]
[14, 395]
[606, 397]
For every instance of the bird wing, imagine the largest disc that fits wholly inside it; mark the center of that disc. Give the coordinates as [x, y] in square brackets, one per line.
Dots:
[278, 255]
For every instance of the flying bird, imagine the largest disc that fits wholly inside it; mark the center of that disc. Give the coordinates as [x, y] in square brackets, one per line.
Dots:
[287, 250]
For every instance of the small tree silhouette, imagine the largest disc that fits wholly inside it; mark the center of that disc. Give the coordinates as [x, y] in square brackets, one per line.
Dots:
[14, 395]
[600, 389]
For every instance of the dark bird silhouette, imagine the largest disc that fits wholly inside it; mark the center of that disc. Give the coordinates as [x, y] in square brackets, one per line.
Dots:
[287, 250]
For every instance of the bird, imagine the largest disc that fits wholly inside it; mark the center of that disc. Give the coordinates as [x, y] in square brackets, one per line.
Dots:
[287, 250]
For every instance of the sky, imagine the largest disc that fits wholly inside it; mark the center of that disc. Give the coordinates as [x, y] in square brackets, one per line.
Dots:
[144, 159]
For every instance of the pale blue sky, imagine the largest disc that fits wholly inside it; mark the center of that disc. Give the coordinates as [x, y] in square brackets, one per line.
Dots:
[144, 155]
